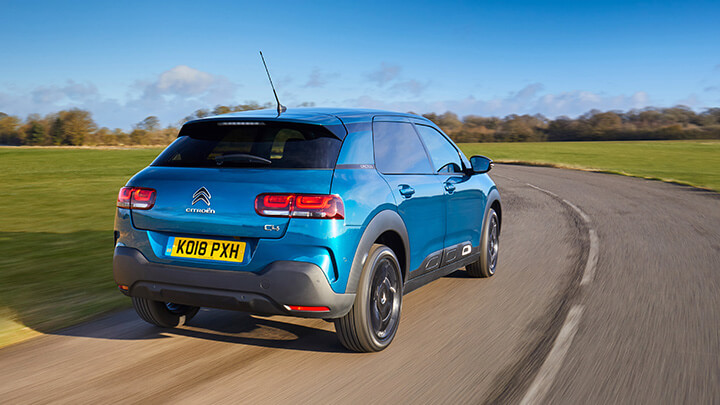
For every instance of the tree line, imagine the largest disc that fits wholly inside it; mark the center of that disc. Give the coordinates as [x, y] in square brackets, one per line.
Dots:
[650, 123]
[76, 127]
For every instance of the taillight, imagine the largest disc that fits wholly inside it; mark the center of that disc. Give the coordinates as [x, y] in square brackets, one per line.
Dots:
[318, 206]
[324, 206]
[138, 198]
[276, 205]
[124, 197]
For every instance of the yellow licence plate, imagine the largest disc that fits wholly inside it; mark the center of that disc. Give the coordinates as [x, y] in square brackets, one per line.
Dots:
[207, 249]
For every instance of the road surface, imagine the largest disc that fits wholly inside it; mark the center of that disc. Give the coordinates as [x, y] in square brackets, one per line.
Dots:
[607, 291]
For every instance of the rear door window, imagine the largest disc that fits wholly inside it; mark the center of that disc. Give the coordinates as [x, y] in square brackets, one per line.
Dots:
[444, 156]
[273, 145]
[398, 149]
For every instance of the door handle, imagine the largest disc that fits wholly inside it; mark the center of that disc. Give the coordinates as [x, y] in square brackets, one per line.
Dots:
[449, 187]
[406, 190]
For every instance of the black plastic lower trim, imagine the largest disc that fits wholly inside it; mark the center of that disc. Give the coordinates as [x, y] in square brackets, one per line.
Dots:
[267, 292]
[443, 258]
[415, 282]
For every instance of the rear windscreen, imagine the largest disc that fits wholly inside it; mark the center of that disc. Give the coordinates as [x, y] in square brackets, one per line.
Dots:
[270, 145]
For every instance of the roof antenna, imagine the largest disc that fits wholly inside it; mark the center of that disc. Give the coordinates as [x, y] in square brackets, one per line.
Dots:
[280, 108]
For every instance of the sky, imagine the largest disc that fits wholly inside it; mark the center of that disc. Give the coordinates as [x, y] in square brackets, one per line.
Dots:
[126, 60]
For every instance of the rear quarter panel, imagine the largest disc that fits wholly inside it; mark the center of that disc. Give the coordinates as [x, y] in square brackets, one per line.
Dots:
[363, 190]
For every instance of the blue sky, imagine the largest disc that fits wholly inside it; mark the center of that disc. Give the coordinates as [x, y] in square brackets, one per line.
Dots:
[127, 60]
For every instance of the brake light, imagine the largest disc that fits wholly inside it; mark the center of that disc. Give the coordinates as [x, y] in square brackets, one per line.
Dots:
[323, 206]
[138, 198]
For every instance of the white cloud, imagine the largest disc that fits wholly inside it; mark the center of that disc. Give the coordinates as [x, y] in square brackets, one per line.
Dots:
[527, 100]
[413, 87]
[578, 102]
[184, 81]
[528, 92]
[391, 74]
[171, 95]
[177, 92]
[318, 78]
[71, 91]
[384, 74]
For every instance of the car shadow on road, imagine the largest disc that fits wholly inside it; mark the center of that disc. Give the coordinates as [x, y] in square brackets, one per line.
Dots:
[218, 326]
[459, 274]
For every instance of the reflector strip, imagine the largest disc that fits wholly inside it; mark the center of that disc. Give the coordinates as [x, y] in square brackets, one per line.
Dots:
[307, 309]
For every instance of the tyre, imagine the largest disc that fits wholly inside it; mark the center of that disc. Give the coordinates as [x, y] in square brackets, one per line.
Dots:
[163, 314]
[372, 322]
[489, 248]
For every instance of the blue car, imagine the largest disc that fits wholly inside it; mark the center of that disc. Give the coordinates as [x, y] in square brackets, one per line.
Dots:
[317, 213]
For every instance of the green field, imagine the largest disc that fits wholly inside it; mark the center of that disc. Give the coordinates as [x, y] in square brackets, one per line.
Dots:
[56, 238]
[58, 205]
[696, 163]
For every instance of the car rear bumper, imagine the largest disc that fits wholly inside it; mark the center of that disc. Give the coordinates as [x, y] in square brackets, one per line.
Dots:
[266, 292]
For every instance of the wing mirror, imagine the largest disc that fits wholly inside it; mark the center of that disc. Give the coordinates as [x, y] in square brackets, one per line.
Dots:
[480, 164]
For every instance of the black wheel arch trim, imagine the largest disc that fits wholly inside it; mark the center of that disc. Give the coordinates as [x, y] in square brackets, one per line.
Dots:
[384, 221]
[493, 197]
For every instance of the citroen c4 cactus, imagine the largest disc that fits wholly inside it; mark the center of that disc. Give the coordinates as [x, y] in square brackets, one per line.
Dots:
[318, 213]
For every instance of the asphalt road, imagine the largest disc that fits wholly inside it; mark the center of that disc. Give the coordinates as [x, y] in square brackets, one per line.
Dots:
[648, 330]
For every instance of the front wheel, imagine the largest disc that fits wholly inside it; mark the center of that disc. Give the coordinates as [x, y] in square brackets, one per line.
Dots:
[489, 248]
[372, 322]
[163, 314]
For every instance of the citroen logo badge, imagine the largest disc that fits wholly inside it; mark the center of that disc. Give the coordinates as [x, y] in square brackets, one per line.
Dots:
[202, 195]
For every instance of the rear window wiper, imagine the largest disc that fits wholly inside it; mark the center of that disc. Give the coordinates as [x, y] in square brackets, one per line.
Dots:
[241, 158]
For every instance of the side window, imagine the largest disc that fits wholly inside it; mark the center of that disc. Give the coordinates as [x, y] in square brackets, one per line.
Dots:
[443, 154]
[398, 149]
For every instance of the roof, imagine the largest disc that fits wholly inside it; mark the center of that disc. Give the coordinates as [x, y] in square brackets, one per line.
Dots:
[334, 119]
[313, 114]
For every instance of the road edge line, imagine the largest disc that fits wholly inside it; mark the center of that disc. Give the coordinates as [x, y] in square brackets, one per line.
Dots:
[593, 252]
[550, 367]
[544, 378]
[589, 273]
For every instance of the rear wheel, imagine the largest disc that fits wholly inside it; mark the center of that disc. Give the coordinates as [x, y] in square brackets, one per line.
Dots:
[490, 245]
[163, 314]
[372, 322]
